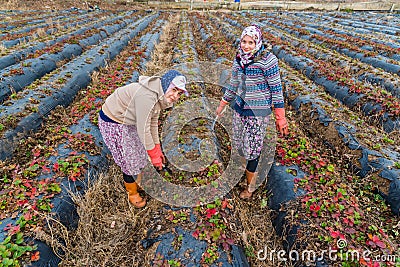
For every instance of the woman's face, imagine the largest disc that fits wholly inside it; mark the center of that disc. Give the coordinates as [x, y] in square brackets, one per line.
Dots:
[247, 44]
[172, 95]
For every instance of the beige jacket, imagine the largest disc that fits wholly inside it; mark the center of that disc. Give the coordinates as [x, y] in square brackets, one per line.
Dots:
[138, 104]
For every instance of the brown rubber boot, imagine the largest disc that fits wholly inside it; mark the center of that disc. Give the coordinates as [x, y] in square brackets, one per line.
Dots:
[134, 198]
[251, 185]
[138, 180]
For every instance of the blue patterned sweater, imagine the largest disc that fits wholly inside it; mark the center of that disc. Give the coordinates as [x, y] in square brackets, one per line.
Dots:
[255, 87]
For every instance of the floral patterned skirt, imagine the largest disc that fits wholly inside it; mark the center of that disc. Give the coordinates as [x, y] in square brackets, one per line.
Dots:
[248, 134]
[125, 146]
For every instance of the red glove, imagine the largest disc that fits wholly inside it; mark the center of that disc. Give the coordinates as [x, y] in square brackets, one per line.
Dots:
[156, 157]
[281, 123]
[161, 154]
[220, 108]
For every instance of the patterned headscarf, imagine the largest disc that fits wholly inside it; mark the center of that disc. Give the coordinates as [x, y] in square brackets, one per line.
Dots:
[253, 32]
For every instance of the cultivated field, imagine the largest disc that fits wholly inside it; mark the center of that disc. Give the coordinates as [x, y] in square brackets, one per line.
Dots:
[332, 193]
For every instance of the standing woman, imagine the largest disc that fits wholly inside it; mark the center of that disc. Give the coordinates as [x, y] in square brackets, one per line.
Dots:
[128, 122]
[256, 89]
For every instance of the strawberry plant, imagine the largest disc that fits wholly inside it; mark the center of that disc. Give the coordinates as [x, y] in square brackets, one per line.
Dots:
[12, 249]
[72, 167]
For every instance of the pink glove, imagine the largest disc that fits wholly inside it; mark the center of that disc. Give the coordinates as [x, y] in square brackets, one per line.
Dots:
[281, 123]
[155, 156]
[220, 108]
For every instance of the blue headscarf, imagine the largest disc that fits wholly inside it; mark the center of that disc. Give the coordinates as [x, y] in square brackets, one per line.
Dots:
[167, 78]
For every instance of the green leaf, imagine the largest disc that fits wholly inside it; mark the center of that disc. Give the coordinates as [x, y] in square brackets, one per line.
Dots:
[54, 188]
[7, 262]
[20, 238]
[330, 168]
[264, 203]
[6, 253]
[7, 240]
[216, 234]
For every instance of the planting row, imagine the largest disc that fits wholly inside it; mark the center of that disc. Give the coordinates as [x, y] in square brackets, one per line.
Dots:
[339, 81]
[17, 76]
[21, 18]
[25, 110]
[73, 164]
[34, 50]
[60, 87]
[293, 28]
[382, 24]
[206, 231]
[69, 152]
[44, 30]
[349, 46]
[18, 18]
[298, 156]
[388, 44]
[390, 153]
[58, 31]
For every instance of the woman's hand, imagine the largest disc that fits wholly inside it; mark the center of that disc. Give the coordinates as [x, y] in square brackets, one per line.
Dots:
[281, 123]
[221, 107]
[161, 154]
[156, 156]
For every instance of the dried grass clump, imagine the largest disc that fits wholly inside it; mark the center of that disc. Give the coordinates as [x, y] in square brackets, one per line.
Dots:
[109, 229]
[162, 56]
[258, 232]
